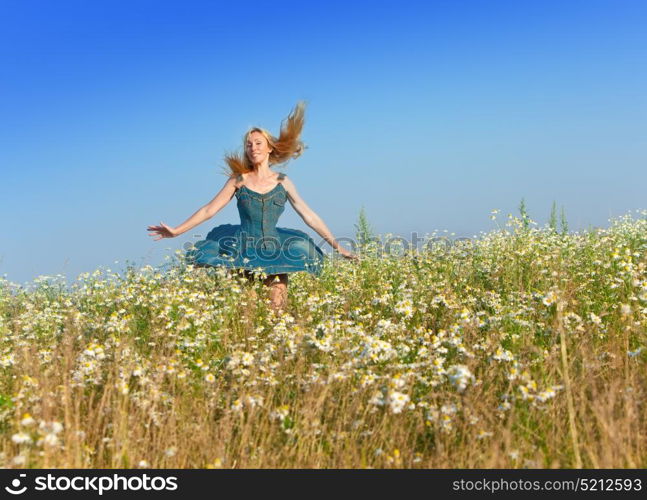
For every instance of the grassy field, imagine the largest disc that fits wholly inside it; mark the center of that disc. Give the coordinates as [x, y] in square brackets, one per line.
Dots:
[523, 348]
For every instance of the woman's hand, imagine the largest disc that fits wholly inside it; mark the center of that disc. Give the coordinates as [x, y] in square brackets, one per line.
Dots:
[163, 231]
[348, 255]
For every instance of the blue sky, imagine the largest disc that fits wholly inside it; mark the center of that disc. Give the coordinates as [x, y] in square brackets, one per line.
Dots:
[116, 116]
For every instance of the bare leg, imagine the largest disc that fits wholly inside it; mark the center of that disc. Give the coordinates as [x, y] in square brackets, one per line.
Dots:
[278, 285]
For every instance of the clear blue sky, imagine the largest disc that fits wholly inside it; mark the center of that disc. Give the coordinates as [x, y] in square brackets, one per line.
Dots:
[116, 115]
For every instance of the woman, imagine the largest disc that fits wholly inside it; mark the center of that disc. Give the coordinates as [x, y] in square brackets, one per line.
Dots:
[256, 243]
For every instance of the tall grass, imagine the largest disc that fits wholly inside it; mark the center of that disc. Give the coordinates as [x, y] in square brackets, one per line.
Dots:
[524, 348]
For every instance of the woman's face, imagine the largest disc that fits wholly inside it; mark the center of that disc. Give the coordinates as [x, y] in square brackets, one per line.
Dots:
[257, 148]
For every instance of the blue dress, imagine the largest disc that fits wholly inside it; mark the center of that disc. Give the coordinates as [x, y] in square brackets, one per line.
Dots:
[256, 242]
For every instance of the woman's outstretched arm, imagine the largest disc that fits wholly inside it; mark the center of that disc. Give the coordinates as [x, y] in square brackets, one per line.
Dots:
[312, 219]
[204, 213]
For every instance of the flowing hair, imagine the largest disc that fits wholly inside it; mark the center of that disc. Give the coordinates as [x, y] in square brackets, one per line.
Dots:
[288, 145]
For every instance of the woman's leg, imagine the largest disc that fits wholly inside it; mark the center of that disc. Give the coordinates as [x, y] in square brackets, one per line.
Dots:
[278, 285]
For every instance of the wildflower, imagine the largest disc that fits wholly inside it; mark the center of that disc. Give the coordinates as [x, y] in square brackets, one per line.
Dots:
[7, 360]
[397, 401]
[544, 396]
[21, 438]
[367, 379]
[51, 439]
[473, 420]
[377, 399]
[217, 464]
[404, 307]
[526, 393]
[209, 378]
[550, 298]
[254, 401]
[27, 420]
[483, 435]
[460, 376]
[280, 413]
[446, 424]
[337, 376]
[398, 382]
[377, 350]
[625, 309]
[384, 326]
[596, 319]
[504, 406]
[448, 409]
[247, 359]
[513, 373]
[51, 427]
[503, 355]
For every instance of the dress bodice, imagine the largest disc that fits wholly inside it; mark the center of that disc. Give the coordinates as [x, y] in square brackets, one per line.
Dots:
[259, 213]
[257, 243]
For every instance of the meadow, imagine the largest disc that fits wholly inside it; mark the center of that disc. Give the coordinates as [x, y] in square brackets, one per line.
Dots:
[522, 348]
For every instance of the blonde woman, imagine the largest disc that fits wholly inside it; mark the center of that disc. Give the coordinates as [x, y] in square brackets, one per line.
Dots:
[256, 243]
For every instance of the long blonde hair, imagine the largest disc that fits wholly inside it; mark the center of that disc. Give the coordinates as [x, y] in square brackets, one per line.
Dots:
[287, 146]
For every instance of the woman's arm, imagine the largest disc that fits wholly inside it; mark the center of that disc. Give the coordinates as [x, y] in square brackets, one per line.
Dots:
[204, 213]
[312, 219]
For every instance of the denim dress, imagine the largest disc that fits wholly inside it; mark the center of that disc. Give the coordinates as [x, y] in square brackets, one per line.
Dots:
[256, 243]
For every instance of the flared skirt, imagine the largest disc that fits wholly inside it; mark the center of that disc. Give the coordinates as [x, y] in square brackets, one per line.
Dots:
[288, 251]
